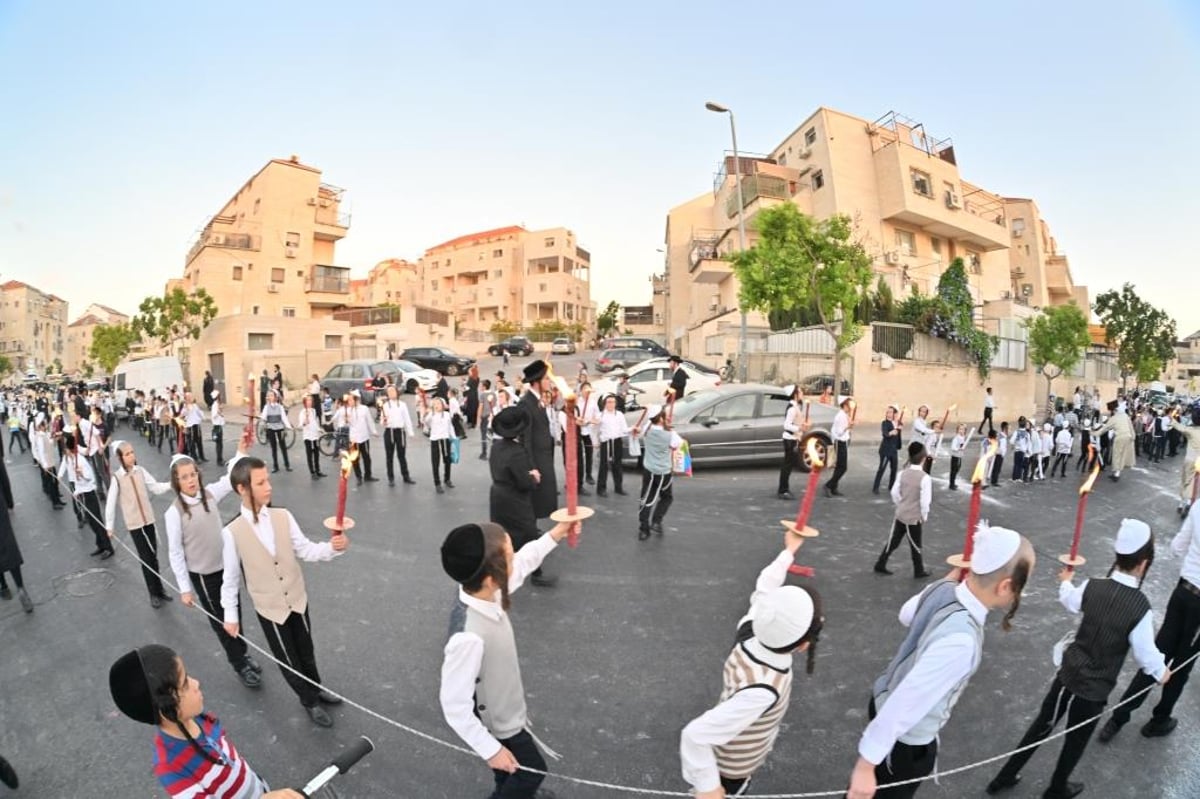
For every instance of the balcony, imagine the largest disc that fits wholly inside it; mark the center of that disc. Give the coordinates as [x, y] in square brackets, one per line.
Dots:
[962, 213]
[1058, 276]
[216, 238]
[331, 281]
[329, 224]
[363, 317]
[756, 187]
[705, 264]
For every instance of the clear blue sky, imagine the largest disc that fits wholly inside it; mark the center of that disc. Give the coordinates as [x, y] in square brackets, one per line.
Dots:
[127, 124]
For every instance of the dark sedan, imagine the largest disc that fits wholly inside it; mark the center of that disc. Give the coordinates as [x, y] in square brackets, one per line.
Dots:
[516, 345]
[440, 359]
[742, 423]
[624, 358]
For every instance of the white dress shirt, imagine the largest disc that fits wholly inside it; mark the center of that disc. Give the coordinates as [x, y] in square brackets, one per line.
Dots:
[310, 424]
[217, 491]
[791, 422]
[1186, 545]
[78, 470]
[395, 416]
[926, 492]
[939, 668]
[920, 427]
[314, 387]
[613, 425]
[720, 724]
[192, 415]
[841, 427]
[957, 446]
[361, 425]
[218, 418]
[1141, 637]
[463, 654]
[231, 581]
[989, 401]
[110, 505]
[440, 426]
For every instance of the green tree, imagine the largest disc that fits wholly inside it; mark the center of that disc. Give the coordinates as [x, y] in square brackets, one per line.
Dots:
[58, 365]
[111, 343]
[1058, 338]
[606, 322]
[502, 328]
[6, 365]
[174, 317]
[957, 318]
[87, 369]
[1143, 335]
[799, 260]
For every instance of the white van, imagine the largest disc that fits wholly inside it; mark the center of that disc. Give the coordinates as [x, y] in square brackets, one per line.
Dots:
[146, 374]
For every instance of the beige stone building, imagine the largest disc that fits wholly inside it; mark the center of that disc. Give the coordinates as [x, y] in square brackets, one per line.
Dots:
[912, 208]
[79, 335]
[647, 320]
[510, 274]
[33, 328]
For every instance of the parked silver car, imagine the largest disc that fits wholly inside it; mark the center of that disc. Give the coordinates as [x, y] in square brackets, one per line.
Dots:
[742, 423]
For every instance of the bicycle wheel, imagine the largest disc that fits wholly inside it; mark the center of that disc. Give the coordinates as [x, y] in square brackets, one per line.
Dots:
[260, 431]
[288, 438]
[327, 443]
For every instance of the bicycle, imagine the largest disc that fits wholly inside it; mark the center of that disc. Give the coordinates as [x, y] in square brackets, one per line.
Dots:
[727, 372]
[287, 439]
[332, 442]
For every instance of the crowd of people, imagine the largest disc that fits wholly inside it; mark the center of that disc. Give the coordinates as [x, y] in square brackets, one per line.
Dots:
[74, 444]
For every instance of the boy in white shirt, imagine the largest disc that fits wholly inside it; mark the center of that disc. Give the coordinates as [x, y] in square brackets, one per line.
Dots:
[957, 445]
[1062, 451]
[397, 425]
[612, 429]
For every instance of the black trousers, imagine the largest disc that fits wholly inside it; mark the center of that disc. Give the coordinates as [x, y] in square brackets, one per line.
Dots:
[208, 594]
[15, 435]
[610, 459]
[790, 454]
[987, 417]
[1177, 639]
[145, 540]
[588, 449]
[439, 452]
[312, 455]
[886, 461]
[735, 786]
[93, 515]
[656, 499]
[395, 444]
[1060, 459]
[195, 437]
[901, 531]
[521, 784]
[997, 468]
[363, 462]
[843, 455]
[18, 581]
[1059, 702]
[291, 643]
[275, 439]
[904, 762]
[50, 486]
[955, 465]
[100, 469]
[218, 434]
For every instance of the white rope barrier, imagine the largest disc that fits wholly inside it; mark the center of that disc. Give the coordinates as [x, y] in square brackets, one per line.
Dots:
[607, 785]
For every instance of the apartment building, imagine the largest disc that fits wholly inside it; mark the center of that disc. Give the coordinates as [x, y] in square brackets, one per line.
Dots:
[79, 335]
[510, 274]
[33, 328]
[647, 320]
[391, 282]
[912, 208]
[268, 259]
[1041, 275]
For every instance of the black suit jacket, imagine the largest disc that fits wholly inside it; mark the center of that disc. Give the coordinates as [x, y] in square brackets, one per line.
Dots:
[539, 444]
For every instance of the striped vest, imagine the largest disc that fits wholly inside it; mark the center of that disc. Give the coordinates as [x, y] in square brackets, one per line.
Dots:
[739, 758]
[1093, 660]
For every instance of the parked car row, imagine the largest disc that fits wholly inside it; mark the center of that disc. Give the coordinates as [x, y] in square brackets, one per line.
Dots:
[440, 359]
[344, 377]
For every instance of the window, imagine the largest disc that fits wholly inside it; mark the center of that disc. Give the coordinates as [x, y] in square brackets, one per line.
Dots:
[775, 407]
[549, 242]
[289, 313]
[237, 273]
[818, 180]
[1018, 227]
[906, 240]
[921, 183]
[810, 137]
[974, 263]
[648, 376]
[1027, 249]
[277, 275]
[497, 273]
[739, 407]
[292, 240]
[433, 285]
[333, 342]
[260, 341]
[782, 159]
[256, 202]
[299, 273]
[489, 292]
[541, 287]
[936, 244]
[497, 253]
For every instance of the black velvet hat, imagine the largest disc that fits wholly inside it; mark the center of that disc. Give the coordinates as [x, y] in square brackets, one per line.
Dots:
[463, 553]
[130, 689]
[534, 371]
[511, 422]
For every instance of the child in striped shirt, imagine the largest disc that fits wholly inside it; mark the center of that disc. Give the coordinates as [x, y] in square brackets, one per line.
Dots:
[192, 756]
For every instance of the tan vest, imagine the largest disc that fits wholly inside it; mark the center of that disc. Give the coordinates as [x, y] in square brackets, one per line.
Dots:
[275, 583]
[739, 758]
[135, 501]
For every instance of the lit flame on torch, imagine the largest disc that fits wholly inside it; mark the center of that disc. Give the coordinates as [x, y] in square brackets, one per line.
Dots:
[349, 456]
[1196, 467]
[1091, 481]
[981, 466]
[813, 450]
[559, 384]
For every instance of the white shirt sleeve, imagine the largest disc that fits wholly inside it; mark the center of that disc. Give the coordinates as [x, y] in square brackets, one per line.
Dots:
[152, 485]
[1070, 596]
[1145, 652]
[716, 727]
[1183, 539]
[306, 549]
[789, 426]
[461, 660]
[231, 581]
[110, 506]
[175, 550]
[896, 491]
[529, 559]
[941, 666]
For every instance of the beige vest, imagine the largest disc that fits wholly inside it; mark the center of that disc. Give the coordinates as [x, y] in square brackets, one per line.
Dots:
[135, 501]
[275, 583]
[739, 758]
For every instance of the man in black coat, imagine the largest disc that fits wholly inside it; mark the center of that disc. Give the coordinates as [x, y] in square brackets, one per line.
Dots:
[513, 477]
[539, 444]
[209, 386]
[679, 379]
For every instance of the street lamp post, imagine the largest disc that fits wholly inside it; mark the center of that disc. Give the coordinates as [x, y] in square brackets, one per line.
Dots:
[717, 108]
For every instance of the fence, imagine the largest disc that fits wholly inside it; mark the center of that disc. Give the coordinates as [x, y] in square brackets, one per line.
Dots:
[904, 343]
[362, 317]
[781, 368]
[806, 340]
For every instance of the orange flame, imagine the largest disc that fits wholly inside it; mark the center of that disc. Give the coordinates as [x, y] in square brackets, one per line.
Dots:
[1091, 481]
[952, 408]
[981, 466]
[560, 384]
[813, 450]
[1197, 466]
[349, 456]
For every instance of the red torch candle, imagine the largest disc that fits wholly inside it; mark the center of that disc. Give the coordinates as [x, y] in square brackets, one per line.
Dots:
[807, 405]
[800, 524]
[1072, 560]
[573, 512]
[946, 417]
[339, 523]
[963, 561]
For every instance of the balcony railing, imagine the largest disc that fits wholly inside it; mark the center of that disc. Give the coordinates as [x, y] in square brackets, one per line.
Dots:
[235, 241]
[329, 282]
[363, 317]
[754, 187]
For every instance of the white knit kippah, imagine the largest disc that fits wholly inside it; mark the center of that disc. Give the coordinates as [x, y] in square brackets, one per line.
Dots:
[782, 616]
[994, 548]
[115, 446]
[1132, 536]
[179, 456]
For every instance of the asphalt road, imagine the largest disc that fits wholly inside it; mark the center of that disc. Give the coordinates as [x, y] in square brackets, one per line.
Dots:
[616, 659]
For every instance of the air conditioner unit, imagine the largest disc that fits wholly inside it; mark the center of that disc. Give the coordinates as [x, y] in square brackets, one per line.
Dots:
[892, 257]
[289, 252]
[312, 200]
[216, 238]
[1027, 289]
[272, 288]
[324, 203]
[804, 152]
[952, 200]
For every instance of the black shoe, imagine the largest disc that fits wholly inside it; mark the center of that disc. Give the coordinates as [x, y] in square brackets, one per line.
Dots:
[589, 480]
[1069, 790]
[409, 481]
[643, 533]
[953, 488]
[826, 490]
[275, 470]
[921, 575]
[164, 597]
[602, 493]
[287, 468]
[26, 602]
[372, 479]
[483, 456]
[1109, 730]
[875, 491]
[881, 568]
[7, 775]
[449, 484]
[319, 716]
[249, 677]
[583, 492]
[252, 663]
[5, 593]
[108, 553]
[441, 490]
[657, 528]
[320, 473]
[785, 495]
[96, 553]
[1002, 784]
[543, 581]
[619, 491]
[313, 475]
[155, 602]
[59, 505]
[327, 698]
[391, 482]
[1157, 728]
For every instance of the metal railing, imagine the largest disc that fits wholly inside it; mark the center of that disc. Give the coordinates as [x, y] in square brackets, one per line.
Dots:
[234, 241]
[361, 317]
[332, 285]
[754, 187]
